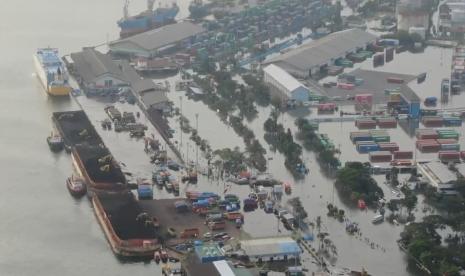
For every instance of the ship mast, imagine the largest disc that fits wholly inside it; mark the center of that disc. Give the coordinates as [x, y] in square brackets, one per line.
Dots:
[125, 9]
[150, 4]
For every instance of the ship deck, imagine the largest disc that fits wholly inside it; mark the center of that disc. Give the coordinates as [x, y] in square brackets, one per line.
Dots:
[92, 158]
[76, 128]
[122, 211]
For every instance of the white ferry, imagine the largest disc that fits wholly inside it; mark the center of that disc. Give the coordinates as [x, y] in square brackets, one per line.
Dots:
[51, 72]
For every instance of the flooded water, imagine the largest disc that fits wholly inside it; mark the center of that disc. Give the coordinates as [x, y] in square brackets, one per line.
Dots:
[59, 235]
[316, 190]
[45, 231]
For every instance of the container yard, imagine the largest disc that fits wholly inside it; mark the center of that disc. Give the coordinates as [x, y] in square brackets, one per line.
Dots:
[175, 179]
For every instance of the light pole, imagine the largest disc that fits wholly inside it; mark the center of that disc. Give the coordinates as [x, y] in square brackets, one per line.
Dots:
[187, 153]
[196, 144]
[180, 133]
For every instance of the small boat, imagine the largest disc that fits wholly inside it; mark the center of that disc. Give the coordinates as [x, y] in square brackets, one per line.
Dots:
[377, 219]
[55, 142]
[156, 257]
[76, 186]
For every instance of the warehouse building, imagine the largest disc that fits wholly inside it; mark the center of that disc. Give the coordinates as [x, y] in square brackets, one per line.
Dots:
[163, 40]
[312, 58]
[440, 176]
[283, 85]
[191, 266]
[270, 249]
[150, 96]
[412, 14]
[96, 71]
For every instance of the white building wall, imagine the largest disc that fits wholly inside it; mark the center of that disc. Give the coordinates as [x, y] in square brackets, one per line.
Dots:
[267, 258]
[405, 22]
[100, 81]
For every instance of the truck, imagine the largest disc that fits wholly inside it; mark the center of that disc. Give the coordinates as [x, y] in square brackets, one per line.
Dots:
[190, 233]
[219, 225]
[144, 189]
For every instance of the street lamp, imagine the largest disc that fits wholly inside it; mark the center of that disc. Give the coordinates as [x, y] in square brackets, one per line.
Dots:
[180, 133]
[197, 144]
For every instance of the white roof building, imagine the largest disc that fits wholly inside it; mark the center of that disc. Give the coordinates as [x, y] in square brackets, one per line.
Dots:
[439, 176]
[289, 87]
[274, 248]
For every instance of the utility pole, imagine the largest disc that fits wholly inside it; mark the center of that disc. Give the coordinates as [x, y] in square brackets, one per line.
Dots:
[180, 132]
[196, 144]
[187, 153]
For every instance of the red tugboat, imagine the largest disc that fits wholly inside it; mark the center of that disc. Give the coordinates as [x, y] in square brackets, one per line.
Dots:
[76, 186]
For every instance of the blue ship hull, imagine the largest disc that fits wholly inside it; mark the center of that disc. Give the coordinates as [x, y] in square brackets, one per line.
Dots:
[147, 20]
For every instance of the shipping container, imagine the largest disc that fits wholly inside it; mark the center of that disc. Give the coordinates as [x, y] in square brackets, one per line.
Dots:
[387, 146]
[380, 156]
[450, 147]
[403, 154]
[381, 138]
[449, 156]
[366, 148]
[394, 80]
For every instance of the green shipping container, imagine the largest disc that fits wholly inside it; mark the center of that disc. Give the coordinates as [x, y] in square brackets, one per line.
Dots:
[448, 136]
[382, 138]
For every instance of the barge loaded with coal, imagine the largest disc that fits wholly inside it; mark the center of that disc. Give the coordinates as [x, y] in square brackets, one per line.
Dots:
[127, 229]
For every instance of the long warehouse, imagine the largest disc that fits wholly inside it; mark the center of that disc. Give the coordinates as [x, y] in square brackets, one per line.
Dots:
[310, 58]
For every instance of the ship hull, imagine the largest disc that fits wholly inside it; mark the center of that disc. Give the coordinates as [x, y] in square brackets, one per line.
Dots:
[118, 246]
[92, 186]
[56, 90]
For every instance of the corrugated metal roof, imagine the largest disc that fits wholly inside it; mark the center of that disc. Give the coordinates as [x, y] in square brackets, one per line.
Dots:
[150, 98]
[320, 51]
[270, 246]
[283, 77]
[440, 172]
[90, 64]
[162, 36]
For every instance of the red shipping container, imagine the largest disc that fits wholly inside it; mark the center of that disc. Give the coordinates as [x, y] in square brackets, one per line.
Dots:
[462, 154]
[429, 147]
[395, 80]
[426, 141]
[428, 136]
[403, 154]
[388, 147]
[380, 156]
[448, 156]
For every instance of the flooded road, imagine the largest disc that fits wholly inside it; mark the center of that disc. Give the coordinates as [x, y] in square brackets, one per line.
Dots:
[316, 190]
[59, 235]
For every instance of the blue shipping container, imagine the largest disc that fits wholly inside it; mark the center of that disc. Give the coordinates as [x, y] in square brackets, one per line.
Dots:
[450, 147]
[367, 148]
